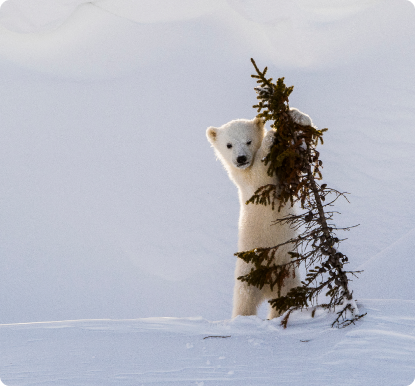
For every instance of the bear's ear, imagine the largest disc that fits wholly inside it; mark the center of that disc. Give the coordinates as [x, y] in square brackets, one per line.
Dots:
[259, 123]
[211, 134]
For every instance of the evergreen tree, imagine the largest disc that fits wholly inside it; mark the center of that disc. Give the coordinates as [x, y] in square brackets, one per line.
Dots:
[294, 160]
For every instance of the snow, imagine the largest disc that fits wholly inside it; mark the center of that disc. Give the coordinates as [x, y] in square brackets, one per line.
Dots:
[116, 215]
[383, 268]
[190, 351]
[26, 16]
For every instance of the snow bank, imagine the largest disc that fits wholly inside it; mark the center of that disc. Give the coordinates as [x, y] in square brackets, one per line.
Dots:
[26, 16]
[112, 202]
[301, 33]
[389, 274]
[160, 10]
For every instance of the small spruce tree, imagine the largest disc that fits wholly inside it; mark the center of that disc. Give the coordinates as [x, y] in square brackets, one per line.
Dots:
[294, 160]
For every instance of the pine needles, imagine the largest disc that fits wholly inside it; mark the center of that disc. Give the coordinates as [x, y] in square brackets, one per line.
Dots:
[294, 160]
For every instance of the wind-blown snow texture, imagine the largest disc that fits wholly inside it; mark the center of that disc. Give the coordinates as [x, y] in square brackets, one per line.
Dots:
[194, 351]
[111, 202]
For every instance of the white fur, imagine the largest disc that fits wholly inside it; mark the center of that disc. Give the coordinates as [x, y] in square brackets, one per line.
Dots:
[300, 118]
[255, 221]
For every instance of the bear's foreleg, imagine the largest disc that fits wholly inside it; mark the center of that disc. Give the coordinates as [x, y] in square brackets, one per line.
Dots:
[300, 117]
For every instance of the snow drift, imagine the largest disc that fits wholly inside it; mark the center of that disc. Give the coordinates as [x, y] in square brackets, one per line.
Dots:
[112, 204]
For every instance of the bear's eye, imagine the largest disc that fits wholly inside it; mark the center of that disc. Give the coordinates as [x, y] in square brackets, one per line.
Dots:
[249, 142]
[229, 145]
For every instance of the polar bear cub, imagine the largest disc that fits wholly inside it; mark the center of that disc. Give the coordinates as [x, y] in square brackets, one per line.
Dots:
[240, 145]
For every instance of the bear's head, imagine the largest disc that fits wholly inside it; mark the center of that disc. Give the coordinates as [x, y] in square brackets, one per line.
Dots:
[236, 142]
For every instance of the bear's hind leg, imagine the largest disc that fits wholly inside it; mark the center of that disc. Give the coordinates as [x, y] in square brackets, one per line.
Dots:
[273, 313]
[246, 299]
[289, 283]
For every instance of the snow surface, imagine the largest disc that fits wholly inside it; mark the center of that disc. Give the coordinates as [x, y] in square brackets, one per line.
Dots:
[195, 351]
[113, 206]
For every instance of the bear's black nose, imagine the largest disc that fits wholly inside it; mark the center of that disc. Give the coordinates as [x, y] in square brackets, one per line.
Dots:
[241, 159]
